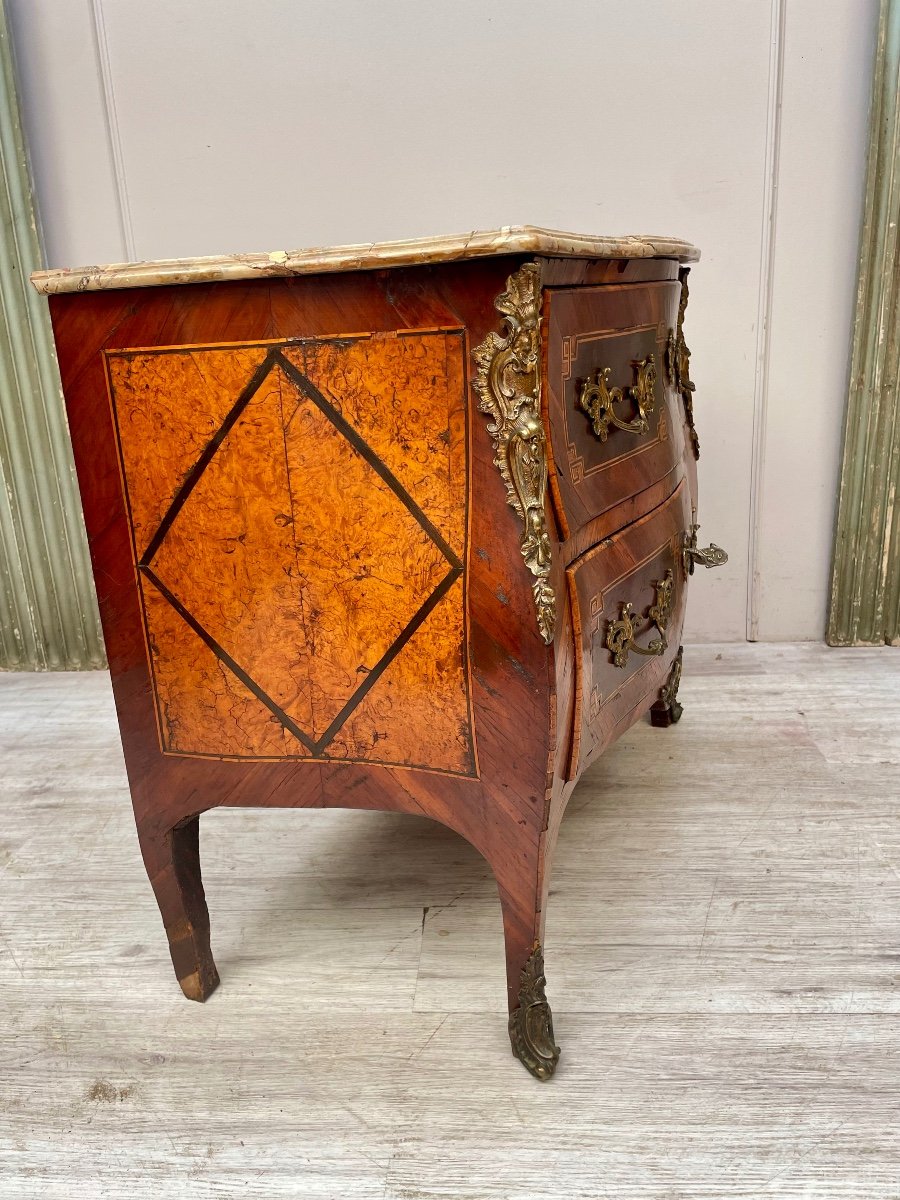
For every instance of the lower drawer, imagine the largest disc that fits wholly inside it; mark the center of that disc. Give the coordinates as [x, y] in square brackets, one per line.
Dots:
[627, 596]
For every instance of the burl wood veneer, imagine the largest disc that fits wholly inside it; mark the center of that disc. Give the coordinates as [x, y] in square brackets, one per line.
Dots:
[403, 527]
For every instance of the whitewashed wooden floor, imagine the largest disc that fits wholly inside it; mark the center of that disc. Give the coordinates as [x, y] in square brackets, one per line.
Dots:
[723, 948]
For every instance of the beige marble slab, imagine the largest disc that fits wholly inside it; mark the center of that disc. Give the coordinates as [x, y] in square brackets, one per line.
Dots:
[509, 239]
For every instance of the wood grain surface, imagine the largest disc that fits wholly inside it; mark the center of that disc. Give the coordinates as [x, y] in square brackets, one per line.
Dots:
[721, 949]
[299, 522]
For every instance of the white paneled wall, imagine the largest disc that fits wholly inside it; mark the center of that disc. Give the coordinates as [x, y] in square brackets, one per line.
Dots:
[825, 103]
[224, 125]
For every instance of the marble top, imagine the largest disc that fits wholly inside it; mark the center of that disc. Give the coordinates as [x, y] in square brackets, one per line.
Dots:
[510, 239]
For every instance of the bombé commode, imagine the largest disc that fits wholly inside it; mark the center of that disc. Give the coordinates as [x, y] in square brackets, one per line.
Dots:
[404, 526]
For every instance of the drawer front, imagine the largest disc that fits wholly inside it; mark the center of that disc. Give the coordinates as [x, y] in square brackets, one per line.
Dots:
[616, 423]
[628, 597]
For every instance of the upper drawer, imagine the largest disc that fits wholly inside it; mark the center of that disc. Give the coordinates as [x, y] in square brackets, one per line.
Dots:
[616, 425]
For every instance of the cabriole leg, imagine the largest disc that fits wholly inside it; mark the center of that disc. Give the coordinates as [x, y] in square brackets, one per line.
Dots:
[172, 860]
[530, 1018]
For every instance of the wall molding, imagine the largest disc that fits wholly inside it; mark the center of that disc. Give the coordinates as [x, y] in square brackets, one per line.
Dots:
[764, 312]
[111, 113]
[865, 591]
[48, 614]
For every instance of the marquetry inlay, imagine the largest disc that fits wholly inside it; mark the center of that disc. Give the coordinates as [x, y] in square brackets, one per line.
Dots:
[298, 511]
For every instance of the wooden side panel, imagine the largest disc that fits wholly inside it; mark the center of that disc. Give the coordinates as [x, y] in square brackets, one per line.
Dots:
[301, 509]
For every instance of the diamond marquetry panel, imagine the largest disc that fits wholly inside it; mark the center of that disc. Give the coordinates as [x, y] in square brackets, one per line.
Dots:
[300, 537]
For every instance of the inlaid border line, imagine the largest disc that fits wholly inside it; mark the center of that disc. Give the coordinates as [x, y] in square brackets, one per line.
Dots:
[388, 657]
[362, 447]
[226, 658]
[193, 476]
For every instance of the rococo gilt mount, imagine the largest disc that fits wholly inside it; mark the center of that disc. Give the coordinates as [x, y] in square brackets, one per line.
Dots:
[404, 526]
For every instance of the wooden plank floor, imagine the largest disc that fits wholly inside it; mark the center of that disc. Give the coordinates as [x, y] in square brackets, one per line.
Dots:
[722, 952]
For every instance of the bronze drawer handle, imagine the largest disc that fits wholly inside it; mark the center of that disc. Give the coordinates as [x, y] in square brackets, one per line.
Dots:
[709, 556]
[598, 399]
[620, 634]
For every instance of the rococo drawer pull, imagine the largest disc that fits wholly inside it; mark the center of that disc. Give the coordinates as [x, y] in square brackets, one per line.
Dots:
[709, 556]
[620, 634]
[599, 400]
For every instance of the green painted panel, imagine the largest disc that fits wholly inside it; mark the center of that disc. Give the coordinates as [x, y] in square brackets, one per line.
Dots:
[865, 594]
[48, 613]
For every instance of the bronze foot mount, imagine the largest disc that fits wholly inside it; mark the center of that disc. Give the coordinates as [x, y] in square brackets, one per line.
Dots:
[531, 1023]
[666, 710]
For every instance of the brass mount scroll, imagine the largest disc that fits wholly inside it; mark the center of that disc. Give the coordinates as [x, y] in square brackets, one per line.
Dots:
[599, 400]
[707, 556]
[621, 634]
[678, 364]
[508, 382]
[531, 1023]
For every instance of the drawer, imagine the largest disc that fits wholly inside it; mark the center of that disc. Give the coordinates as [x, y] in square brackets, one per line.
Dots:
[627, 596]
[616, 421]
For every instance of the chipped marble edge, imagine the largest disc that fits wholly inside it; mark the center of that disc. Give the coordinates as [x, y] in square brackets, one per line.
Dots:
[512, 239]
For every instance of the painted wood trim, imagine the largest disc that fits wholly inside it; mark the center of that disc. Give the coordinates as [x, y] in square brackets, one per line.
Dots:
[48, 613]
[865, 592]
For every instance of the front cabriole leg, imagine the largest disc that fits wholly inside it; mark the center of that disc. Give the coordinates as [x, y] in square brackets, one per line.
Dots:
[508, 383]
[531, 1021]
[530, 1018]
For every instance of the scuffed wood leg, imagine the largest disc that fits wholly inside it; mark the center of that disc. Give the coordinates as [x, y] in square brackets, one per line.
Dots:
[530, 1018]
[173, 864]
[666, 710]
